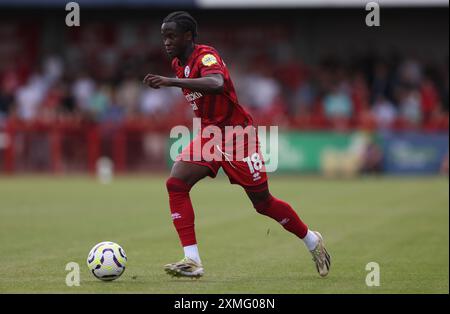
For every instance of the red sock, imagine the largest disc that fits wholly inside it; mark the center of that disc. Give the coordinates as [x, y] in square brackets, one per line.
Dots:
[181, 209]
[284, 214]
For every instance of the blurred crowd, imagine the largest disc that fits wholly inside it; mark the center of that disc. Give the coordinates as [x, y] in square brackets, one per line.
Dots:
[96, 75]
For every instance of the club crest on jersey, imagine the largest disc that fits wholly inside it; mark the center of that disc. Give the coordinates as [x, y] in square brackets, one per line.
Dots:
[209, 60]
[187, 71]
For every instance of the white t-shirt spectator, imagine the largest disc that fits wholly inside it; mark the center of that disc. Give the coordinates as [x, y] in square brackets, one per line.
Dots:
[30, 96]
[154, 101]
[82, 91]
[338, 105]
[410, 107]
[384, 113]
[261, 91]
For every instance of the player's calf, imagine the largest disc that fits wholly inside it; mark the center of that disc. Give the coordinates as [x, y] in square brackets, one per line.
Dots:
[283, 213]
[181, 210]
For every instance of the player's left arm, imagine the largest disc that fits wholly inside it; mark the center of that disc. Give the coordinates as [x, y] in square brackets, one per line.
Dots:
[211, 83]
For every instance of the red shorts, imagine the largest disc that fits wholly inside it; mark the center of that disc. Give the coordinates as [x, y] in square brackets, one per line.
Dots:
[240, 158]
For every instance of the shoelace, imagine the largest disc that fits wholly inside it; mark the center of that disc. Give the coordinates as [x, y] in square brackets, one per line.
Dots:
[186, 261]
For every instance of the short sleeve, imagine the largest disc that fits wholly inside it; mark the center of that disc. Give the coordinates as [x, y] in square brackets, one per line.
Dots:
[210, 63]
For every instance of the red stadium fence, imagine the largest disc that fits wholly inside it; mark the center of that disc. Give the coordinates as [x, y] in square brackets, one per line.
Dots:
[71, 147]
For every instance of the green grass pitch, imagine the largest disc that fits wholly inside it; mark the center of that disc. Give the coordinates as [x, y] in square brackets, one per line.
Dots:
[400, 223]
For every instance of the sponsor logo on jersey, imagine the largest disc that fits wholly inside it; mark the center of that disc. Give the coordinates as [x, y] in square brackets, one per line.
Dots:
[191, 97]
[209, 60]
[193, 105]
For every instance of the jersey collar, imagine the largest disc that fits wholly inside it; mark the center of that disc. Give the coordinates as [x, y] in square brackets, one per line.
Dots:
[191, 56]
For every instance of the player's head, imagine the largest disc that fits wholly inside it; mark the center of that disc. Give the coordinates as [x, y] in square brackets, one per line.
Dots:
[179, 30]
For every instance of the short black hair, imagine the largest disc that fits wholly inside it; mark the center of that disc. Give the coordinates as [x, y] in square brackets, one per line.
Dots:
[184, 21]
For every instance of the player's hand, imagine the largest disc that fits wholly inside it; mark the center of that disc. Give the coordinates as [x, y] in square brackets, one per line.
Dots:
[148, 82]
[156, 81]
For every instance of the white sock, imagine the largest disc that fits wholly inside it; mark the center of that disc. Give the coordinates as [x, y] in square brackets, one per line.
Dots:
[191, 251]
[311, 240]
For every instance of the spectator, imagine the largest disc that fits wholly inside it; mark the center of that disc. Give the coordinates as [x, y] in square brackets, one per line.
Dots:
[30, 96]
[262, 92]
[82, 90]
[67, 103]
[384, 112]
[429, 97]
[128, 93]
[381, 84]
[410, 107]
[53, 69]
[6, 102]
[114, 112]
[338, 108]
[154, 102]
[304, 98]
[360, 93]
[99, 102]
[410, 73]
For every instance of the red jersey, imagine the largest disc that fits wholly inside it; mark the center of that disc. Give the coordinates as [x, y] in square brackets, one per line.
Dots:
[214, 109]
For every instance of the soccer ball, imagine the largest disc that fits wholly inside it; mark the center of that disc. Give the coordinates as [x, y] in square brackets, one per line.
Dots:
[107, 261]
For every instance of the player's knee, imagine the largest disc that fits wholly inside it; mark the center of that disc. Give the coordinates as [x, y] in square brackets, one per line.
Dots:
[260, 199]
[262, 204]
[177, 185]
